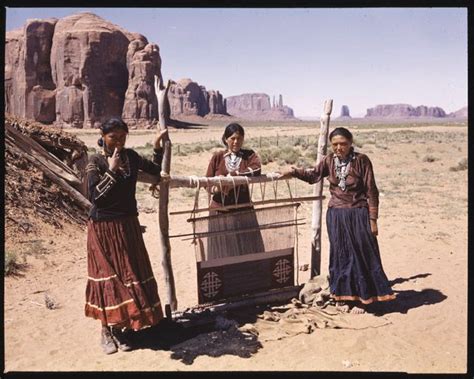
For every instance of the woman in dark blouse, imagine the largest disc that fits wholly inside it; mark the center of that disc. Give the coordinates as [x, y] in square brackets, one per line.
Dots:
[121, 290]
[355, 268]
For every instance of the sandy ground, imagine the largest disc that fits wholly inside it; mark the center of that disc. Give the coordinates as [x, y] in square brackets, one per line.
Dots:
[423, 242]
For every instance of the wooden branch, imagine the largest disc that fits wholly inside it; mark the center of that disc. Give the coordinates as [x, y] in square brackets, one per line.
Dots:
[71, 191]
[38, 152]
[243, 205]
[163, 105]
[318, 191]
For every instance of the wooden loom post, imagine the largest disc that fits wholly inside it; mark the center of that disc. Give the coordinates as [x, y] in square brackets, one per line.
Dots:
[171, 301]
[318, 191]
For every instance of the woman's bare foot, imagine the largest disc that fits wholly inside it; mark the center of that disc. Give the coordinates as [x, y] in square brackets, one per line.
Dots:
[358, 309]
[342, 306]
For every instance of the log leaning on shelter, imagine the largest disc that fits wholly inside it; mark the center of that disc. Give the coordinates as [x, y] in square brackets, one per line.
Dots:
[53, 168]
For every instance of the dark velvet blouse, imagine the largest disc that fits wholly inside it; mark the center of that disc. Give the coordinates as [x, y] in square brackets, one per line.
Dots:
[361, 189]
[112, 194]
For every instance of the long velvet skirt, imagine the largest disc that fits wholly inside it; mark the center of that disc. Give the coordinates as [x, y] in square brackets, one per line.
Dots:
[355, 267]
[121, 289]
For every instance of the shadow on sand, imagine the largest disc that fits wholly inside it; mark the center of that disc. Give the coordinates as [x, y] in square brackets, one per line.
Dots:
[407, 299]
[213, 339]
[220, 335]
[403, 280]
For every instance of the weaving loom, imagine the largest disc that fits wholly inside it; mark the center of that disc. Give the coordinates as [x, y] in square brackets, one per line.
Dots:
[244, 251]
[243, 256]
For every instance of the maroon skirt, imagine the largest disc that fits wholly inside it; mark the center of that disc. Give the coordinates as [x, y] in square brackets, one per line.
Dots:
[121, 289]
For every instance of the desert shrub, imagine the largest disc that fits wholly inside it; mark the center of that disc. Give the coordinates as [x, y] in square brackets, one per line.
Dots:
[289, 155]
[312, 152]
[461, 165]
[305, 163]
[197, 149]
[12, 263]
[212, 144]
[180, 151]
[185, 149]
[357, 142]
[267, 155]
[300, 141]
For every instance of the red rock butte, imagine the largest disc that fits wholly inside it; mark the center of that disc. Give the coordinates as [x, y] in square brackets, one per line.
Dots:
[81, 69]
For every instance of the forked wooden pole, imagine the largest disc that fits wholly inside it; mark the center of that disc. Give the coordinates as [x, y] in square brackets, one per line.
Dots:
[171, 303]
[318, 191]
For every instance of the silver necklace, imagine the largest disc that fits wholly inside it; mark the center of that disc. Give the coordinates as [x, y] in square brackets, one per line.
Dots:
[342, 169]
[232, 162]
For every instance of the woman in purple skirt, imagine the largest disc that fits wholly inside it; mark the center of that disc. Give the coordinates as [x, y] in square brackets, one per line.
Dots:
[356, 275]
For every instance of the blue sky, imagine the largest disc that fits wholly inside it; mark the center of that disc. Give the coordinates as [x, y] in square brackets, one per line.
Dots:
[360, 57]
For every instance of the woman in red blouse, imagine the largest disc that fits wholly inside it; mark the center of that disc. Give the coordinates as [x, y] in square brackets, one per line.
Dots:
[355, 268]
[233, 161]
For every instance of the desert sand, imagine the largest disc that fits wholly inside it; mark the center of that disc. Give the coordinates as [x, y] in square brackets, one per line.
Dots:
[422, 238]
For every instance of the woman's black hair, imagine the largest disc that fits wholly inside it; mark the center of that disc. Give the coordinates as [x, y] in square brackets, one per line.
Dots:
[231, 129]
[341, 132]
[113, 123]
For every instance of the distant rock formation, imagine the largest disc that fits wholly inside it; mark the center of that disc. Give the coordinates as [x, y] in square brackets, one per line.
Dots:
[188, 98]
[404, 110]
[29, 87]
[345, 114]
[143, 63]
[88, 60]
[461, 113]
[256, 106]
[78, 71]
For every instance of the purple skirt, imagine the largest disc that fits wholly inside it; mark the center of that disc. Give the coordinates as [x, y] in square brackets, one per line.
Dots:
[355, 267]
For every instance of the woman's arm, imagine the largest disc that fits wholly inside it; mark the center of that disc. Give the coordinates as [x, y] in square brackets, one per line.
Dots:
[99, 184]
[309, 175]
[372, 194]
[371, 188]
[153, 166]
[211, 172]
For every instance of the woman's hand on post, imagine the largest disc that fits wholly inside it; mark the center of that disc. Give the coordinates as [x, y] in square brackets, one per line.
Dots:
[159, 137]
[114, 161]
[374, 227]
